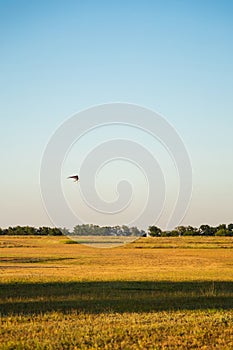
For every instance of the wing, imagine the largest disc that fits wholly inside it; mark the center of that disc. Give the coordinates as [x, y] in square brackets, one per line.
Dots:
[75, 177]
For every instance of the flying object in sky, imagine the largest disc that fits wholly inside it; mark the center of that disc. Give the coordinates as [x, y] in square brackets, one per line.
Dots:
[75, 177]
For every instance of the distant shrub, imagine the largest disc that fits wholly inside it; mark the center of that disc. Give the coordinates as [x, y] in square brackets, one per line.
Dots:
[224, 232]
[191, 233]
[173, 233]
[69, 241]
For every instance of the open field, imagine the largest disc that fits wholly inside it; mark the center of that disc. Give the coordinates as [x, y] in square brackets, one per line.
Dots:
[155, 293]
[103, 241]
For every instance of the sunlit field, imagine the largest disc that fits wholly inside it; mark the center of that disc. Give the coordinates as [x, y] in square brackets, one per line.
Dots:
[154, 293]
[103, 241]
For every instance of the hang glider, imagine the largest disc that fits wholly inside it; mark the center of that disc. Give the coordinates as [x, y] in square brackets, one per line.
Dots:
[75, 177]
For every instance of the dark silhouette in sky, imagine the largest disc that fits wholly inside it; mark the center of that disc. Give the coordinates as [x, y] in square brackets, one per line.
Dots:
[75, 177]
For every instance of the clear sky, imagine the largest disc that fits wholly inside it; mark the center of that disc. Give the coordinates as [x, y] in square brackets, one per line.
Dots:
[60, 57]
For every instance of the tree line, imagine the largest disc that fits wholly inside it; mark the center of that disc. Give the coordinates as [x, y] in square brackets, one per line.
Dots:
[96, 230]
[78, 230]
[31, 231]
[203, 230]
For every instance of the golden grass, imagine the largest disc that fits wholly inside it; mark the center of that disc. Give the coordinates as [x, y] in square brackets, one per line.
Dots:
[155, 293]
[103, 241]
[161, 330]
[51, 259]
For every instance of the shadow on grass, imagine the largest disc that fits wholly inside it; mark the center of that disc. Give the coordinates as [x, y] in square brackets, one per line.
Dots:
[127, 296]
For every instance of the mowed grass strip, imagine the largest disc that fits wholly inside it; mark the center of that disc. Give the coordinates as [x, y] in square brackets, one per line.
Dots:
[55, 295]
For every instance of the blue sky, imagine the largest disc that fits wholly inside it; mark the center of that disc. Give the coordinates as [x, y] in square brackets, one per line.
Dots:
[59, 57]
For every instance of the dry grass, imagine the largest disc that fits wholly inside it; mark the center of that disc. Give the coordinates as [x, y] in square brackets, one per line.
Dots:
[102, 241]
[51, 259]
[55, 295]
[160, 330]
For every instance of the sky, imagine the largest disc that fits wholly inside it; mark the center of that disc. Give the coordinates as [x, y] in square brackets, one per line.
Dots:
[58, 58]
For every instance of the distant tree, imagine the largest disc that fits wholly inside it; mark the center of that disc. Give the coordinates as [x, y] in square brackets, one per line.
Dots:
[230, 227]
[125, 230]
[43, 231]
[118, 230]
[114, 231]
[181, 230]
[154, 231]
[30, 231]
[4, 232]
[135, 231]
[106, 231]
[223, 232]
[222, 226]
[65, 231]
[11, 231]
[80, 230]
[191, 231]
[143, 233]
[205, 230]
[173, 233]
[55, 231]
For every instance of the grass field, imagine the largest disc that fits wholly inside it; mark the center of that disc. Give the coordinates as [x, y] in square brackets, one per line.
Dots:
[103, 241]
[155, 293]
